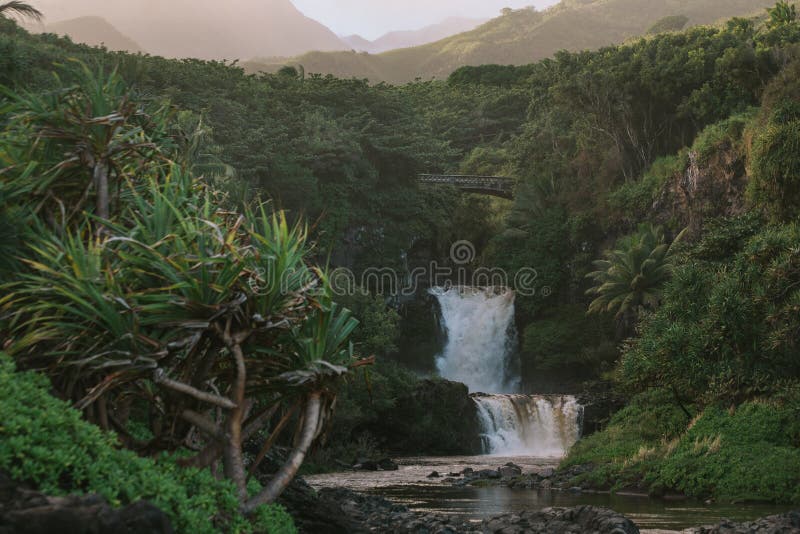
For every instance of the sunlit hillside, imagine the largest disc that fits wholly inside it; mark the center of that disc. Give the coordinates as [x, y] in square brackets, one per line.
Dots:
[520, 37]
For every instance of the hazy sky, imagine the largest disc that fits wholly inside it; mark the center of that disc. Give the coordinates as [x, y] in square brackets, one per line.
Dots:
[373, 18]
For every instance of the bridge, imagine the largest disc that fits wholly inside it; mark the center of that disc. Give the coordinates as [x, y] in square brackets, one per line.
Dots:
[496, 186]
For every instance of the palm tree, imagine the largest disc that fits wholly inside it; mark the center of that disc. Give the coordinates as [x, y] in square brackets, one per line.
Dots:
[630, 278]
[20, 9]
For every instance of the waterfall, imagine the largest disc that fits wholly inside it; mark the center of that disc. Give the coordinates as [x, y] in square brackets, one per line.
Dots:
[480, 349]
[479, 324]
[530, 425]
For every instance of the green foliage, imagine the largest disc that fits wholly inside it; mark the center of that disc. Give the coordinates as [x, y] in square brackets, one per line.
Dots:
[379, 329]
[633, 201]
[728, 133]
[749, 453]
[566, 340]
[671, 23]
[45, 442]
[727, 329]
[630, 279]
[782, 14]
[649, 419]
[774, 164]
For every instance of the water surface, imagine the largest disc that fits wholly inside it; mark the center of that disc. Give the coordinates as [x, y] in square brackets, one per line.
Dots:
[411, 486]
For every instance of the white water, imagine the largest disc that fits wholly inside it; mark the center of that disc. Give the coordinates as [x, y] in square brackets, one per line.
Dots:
[481, 341]
[538, 425]
[479, 324]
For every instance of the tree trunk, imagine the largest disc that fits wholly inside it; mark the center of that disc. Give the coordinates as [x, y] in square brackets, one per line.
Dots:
[284, 476]
[233, 458]
[102, 190]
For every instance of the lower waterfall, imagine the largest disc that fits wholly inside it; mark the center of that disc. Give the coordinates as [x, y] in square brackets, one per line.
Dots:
[480, 350]
[529, 425]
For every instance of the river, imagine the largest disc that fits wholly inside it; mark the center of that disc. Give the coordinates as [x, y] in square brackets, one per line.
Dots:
[411, 486]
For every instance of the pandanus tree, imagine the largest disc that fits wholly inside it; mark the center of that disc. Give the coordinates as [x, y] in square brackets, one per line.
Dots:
[86, 138]
[211, 322]
[630, 278]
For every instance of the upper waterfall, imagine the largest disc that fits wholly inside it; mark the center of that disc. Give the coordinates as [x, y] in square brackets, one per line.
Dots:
[481, 338]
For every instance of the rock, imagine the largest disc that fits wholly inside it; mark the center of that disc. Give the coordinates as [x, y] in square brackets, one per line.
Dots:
[468, 471]
[368, 465]
[434, 474]
[387, 464]
[486, 474]
[775, 524]
[510, 471]
[546, 472]
[582, 519]
[454, 474]
[24, 511]
[437, 418]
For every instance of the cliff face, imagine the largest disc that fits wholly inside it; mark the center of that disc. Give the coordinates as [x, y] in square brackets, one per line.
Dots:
[707, 188]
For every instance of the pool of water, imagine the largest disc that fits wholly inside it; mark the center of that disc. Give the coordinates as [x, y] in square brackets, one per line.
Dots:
[411, 486]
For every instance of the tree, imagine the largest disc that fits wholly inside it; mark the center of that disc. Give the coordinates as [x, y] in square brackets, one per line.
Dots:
[20, 9]
[783, 13]
[86, 140]
[212, 322]
[630, 278]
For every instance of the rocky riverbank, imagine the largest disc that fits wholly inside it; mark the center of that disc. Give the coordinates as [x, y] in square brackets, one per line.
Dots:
[340, 511]
[512, 476]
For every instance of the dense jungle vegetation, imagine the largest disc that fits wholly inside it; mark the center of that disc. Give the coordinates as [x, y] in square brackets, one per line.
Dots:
[152, 211]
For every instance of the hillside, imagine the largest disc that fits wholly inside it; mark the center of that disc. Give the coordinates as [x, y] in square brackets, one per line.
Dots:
[408, 38]
[94, 31]
[201, 29]
[522, 36]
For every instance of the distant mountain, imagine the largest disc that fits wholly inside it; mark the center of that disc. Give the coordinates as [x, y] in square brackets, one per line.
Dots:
[207, 29]
[409, 38]
[94, 31]
[522, 36]
[357, 43]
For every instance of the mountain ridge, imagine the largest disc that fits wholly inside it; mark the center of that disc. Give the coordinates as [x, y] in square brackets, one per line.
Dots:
[519, 37]
[408, 38]
[201, 29]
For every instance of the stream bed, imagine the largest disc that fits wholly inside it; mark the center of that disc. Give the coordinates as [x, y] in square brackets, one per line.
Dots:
[411, 486]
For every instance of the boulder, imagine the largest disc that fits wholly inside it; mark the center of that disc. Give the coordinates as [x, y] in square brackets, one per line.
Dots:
[367, 465]
[387, 464]
[546, 472]
[510, 470]
[434, 474]
[487, 474]
[437, 418]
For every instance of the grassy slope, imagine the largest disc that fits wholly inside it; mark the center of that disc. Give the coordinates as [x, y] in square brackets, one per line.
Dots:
[522, 37]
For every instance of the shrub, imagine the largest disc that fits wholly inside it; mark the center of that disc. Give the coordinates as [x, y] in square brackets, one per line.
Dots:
[634, 200]
[742, 455]
[749, 453]
[774, 165]
[44, 442]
